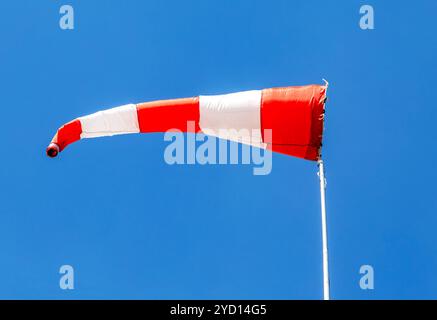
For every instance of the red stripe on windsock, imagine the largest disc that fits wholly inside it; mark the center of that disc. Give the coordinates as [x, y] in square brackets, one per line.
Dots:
[295, 115]
[67, 134]
[164, 115]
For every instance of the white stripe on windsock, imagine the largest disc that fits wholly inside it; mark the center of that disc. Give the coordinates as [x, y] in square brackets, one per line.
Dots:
[234, 116]
[119, 120]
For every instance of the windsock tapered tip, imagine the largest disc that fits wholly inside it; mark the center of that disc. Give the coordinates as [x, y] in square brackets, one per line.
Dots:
[52, 150]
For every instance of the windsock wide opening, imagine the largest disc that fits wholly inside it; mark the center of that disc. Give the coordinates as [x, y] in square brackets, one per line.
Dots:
[296, 117]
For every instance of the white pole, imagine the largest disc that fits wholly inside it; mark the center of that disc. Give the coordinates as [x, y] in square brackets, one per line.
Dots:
[324, 231]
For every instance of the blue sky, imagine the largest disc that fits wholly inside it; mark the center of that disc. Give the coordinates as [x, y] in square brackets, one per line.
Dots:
[134, 227]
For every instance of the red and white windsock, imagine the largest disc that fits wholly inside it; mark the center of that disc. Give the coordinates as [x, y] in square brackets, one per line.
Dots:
[292, 115]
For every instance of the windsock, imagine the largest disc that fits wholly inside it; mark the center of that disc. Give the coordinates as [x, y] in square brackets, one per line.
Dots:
[292, 116]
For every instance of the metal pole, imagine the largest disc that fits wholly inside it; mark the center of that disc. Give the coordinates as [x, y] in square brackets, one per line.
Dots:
[324, 231]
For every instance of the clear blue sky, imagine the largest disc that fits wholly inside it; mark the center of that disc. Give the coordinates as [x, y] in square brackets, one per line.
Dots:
[134, 227]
